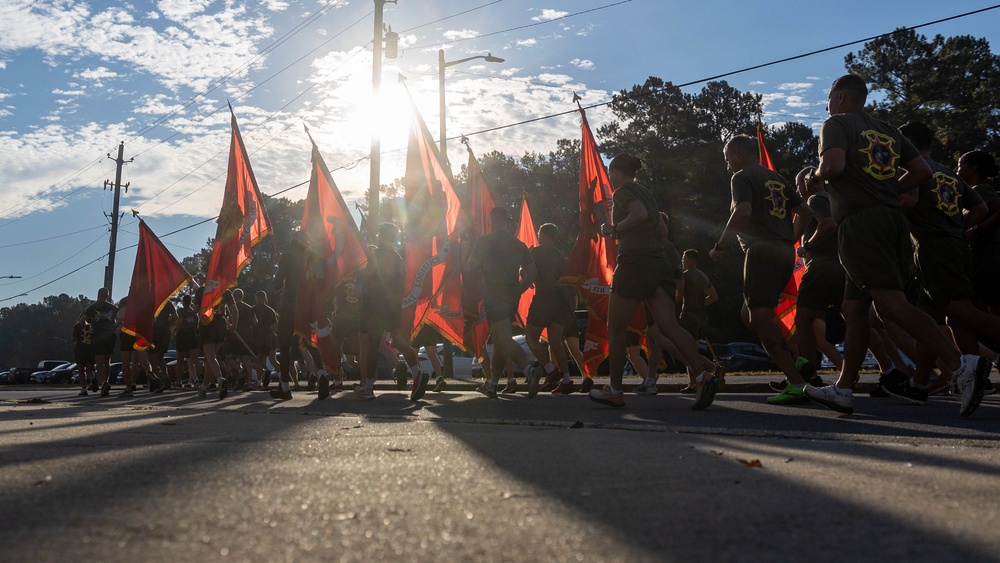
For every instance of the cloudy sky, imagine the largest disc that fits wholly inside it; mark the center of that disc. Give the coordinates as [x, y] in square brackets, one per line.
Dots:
[79, 77]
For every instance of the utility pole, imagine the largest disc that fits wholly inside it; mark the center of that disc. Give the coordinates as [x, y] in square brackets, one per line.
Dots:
[376, 155]
[109, 272]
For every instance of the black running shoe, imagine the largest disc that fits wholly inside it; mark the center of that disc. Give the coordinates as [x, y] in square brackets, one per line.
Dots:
[891, 377]
[586, 385]
[421, 386]
[93, 385]
[323, 386]
[223, 388]
[907, 392]
[105, 389]
[280, 394]
[312, 382]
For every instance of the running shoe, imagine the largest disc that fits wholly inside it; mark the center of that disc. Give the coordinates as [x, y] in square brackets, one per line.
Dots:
[972, 375]
[419, 386]
[907, 392]
[777, 386]
[551, 382]
[606, 397]
[564, 388]
[490, 390]
[127, 393]
[93, 385]
[439, 385]
[586, 385]
[400, 379]
[645, 388]
[323, 387]
[105, 389]
[891, 377]
[509, 389]
[312, 382]
[790, 395]
[82, 393]
[336, 386]
[988, 388]
[534, 380]
[840, 400]
[939, 384]
[155, 386]
[280, 394]
[364, 392]
[223, 388]
[202, 391]
[267, 379]
[706, 392]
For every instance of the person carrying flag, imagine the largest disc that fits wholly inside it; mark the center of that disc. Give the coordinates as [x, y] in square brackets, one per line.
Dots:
[551, 309]
[761, 219]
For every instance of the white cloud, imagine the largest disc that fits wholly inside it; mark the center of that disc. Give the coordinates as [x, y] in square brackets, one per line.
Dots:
[453, 34]
[797, 102]
[527, 42]
[559, 79]
[96, 74]
[585, 64]
[795, 86]
[59, 92]
[757, 83]
[549, 14]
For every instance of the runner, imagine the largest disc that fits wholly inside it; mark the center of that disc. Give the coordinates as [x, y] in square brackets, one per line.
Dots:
[291, 268]
[644, 274]
[860, 159]
[551, 308]
[101, 316]
[977, 168]
[188, 346]
[937, 227]
[267, 323]
[506, 269]
[382, 302]
[244, 347]
[159, 379]
[130, 357]
[83, 352]
[212, 336]
[697, 296]
[762, 220]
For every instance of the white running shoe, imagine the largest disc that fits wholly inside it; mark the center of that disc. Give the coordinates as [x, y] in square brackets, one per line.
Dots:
[840, 400]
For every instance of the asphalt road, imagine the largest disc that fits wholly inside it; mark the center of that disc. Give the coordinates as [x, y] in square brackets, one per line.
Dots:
[459, 477]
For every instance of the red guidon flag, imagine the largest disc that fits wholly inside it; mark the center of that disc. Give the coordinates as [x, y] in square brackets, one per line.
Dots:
[591, 264]
[435, 223]
[242, 224]
[784, 313]
[480, 202]
[527, 234]
[333, 255]
[157, 277]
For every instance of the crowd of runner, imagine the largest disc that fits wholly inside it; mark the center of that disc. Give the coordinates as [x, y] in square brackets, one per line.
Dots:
[906, 249]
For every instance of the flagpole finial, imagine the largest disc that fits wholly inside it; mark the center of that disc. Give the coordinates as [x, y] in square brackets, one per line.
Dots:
[400, 78]
[135, 213]
[464, 140]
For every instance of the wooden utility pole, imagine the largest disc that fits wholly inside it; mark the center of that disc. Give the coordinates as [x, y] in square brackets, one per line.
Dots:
[109, 271]
[376, 155]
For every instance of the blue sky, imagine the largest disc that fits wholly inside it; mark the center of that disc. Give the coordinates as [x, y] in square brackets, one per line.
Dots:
[78, 77]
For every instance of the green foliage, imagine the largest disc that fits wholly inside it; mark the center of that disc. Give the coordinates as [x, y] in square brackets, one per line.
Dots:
[951, 84]
[43, 331]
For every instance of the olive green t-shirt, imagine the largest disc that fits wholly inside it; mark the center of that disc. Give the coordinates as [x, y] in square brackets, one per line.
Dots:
[771, 199]
[641, 240]
[940, 201]
[549, 262]
[874, 152]
[499, 257]
[696, 286]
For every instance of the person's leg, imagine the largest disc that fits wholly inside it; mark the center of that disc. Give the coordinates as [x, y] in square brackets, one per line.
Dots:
[855, 341]
[805, 327]
[620, 312]
[891, 304]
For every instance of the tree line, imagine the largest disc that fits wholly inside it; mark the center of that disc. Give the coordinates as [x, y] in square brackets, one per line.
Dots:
[952, 84]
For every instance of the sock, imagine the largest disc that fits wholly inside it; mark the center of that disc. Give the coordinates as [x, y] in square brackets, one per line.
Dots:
[322, 372]
[567, 378]
[549, 368]
[284, 386]
[415, 371]
[614, 392]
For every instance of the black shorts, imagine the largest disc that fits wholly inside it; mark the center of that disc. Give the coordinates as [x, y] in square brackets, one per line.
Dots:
[875, 250]
[265, 342]
[104, 343]
[127, 342]
[286, 324]
[767, 267]
[161, 339]
[187, 340]
[344, 326]
[822, 285]
[943, 270]
[380, 316]
[214, 332]
[551, 307]
[985, 272]
[638, 279]
[83, 355]
[427, 337]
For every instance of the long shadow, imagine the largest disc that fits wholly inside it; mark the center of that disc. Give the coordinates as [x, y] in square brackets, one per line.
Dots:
[668, 498]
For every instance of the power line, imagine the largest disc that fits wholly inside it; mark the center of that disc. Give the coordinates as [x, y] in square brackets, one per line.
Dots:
[54, 237]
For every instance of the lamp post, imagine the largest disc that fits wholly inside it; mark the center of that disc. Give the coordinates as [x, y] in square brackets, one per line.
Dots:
[441, 66]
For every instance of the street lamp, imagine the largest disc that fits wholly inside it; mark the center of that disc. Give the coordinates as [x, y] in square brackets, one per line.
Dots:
[9, 277]
[441, 66]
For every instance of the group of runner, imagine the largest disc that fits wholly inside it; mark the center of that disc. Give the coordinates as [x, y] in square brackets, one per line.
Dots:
[905, 248]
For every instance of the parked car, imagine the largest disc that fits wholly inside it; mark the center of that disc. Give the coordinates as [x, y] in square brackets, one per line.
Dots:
[744, 356]
[48, 365]
[62, 374]
[868, 363]
[43, 376]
